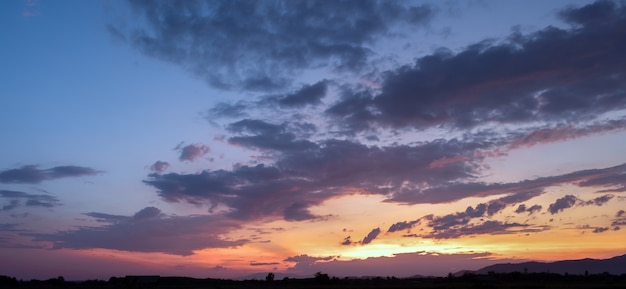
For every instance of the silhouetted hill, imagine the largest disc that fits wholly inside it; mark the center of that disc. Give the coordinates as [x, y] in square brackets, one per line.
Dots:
[615, 265]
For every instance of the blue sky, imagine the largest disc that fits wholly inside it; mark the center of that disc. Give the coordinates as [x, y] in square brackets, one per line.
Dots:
[294, 137]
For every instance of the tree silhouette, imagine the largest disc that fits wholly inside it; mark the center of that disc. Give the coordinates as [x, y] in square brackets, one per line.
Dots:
[270, 277]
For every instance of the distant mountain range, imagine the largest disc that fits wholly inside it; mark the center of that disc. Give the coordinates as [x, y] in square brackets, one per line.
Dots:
[615, 266]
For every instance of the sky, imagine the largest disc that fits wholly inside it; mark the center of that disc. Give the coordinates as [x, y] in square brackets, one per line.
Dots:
[226, 138]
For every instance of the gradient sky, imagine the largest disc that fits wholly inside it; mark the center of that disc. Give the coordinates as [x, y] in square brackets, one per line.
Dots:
[221, 139]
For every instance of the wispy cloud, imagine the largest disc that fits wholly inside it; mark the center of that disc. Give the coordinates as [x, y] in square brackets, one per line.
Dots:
[17, 199]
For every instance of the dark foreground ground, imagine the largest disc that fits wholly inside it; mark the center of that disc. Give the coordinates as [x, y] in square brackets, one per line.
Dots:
[511, 280]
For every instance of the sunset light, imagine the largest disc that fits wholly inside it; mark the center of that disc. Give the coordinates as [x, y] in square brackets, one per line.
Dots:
[355, 138]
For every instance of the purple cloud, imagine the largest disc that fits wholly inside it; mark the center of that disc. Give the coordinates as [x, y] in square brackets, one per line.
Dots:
[193, 152]
[148, 231]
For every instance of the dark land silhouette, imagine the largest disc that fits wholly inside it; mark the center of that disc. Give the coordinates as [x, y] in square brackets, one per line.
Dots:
[585, 273]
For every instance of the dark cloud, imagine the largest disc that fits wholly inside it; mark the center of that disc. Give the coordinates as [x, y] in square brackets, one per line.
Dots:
[305, 174]
[159, 167]
[346, 241]
[599, 201]
[463, 223]
[262, 45]
[193, 151]
[551, 74]
[148, 231]
[620, 213]
[31, 174]
[600, 229]
[404, 225]
[460, 219]
[448, 192]
[263, 263]
[303, 178]
[230, 110]
[562, 204]
[267, 136]
[370, 236]
[17, 199]
[616, 180]
[307, 95]
[490, 227]
[599, 13]
[522, 209]
[307, 259]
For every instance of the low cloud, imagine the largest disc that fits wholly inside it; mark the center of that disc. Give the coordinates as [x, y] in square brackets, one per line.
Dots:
[400, 265]
[148, 230]
[31, 174]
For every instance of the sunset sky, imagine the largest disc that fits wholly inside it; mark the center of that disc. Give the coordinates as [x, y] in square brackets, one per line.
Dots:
[226, 138]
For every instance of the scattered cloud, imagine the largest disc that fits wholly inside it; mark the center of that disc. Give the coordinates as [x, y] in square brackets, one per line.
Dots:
[563, 203]
[371, 236]
[193, 151]
[534, 208]
[159, 167]
[31, 174]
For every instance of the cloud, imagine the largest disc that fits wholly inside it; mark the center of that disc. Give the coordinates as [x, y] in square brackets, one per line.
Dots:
[569, 74]
[401, 265]
[371, 236]
[17, 199]
[490, 227]
[148, 230]
[305, 261]
[600, 230]
[534, 208]
[620, 213]
[193, 152]
[563, 203]
[401, 226]
[599, 201]
[307, 95]
[301, 178]
[262, 45]
[459, 224]
[563, 132]
[263, 263]
[31, 174]
[159, 167]
[267, 136]
[346, 241]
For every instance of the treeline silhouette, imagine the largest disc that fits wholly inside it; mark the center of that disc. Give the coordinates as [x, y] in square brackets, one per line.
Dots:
[322, 280]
